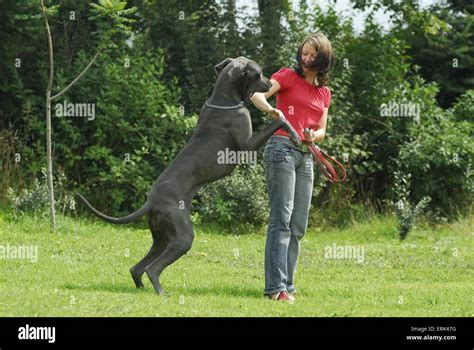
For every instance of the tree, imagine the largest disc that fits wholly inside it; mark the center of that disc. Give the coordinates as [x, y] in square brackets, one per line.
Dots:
[439, 40]
[445, 53]
[116, 12]
[271, 35]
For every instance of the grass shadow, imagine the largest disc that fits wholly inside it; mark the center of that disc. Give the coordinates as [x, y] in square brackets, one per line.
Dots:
[230, 291]
[104, 287]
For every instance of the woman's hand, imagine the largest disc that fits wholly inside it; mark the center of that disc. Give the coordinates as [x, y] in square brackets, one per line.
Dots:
[259, 99]
[314, 136]
[309, 135]
[276, 114]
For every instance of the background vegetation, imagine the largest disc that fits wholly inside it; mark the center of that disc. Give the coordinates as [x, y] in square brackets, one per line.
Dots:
[148, 89]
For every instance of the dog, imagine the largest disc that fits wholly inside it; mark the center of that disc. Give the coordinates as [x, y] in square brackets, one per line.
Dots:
[224, 122]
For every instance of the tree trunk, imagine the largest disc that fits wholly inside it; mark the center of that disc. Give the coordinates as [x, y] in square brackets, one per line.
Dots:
[50, 161]
[48, 122]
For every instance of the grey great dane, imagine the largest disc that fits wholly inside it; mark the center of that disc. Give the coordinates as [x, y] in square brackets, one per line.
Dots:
[224, 122]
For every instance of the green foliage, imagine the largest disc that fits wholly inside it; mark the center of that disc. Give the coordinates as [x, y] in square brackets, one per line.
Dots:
[406, 213]
[439, 153]
[335, 206]
[52, 10]
[112, 18]
[439, 38]
[442, 51]
[192, 46]
[238, 198]
[463, 109]
[34, 200]
[145, 112]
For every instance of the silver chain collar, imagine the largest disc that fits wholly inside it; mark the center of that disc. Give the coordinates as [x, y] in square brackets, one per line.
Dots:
[241, 104]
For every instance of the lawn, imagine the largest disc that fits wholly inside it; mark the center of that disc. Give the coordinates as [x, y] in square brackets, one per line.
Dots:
[83, 270]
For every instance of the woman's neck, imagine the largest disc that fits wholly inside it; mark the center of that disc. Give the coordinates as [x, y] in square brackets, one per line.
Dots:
[310, 76]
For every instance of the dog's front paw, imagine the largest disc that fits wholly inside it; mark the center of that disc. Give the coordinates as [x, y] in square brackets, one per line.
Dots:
[294, 137]
[296, 140]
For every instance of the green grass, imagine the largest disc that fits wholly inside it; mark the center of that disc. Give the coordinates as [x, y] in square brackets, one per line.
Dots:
[82, 270]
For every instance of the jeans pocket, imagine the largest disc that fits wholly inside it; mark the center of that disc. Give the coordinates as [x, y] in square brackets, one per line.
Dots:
[282, 154]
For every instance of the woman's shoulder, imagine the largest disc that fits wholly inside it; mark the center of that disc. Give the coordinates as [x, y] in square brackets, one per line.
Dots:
[326, 89]
[285, 77]
[285, 71]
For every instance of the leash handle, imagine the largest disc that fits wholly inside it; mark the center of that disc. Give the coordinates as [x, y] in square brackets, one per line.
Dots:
[320, 157]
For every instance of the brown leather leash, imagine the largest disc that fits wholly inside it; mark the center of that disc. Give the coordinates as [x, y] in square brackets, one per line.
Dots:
[322, 159]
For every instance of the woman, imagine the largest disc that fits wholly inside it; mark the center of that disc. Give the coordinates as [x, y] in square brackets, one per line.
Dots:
[303, 98]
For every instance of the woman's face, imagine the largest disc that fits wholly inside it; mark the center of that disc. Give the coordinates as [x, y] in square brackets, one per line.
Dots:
[308, 55]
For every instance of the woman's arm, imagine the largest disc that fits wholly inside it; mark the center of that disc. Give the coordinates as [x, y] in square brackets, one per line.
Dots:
[318, 135]
[259, 99]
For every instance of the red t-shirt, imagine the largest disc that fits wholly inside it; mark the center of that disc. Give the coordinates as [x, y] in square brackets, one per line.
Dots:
[302, 103]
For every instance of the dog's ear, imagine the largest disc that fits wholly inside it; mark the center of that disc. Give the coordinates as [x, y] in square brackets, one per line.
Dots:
[219, 67]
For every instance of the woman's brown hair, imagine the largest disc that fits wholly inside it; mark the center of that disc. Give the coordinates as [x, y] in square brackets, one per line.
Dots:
[324, 59]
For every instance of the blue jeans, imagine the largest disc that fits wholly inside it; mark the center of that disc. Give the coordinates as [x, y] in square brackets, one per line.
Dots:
[289, 175]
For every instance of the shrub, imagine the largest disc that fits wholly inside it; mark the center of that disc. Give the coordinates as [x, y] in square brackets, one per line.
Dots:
[406, 213]
[439, 154]
[237, 199]
[35, 200]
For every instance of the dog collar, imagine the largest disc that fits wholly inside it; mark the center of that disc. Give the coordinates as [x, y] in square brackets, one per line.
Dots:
[241, 104]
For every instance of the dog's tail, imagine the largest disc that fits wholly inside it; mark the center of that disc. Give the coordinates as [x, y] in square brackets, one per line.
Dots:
[125, 220]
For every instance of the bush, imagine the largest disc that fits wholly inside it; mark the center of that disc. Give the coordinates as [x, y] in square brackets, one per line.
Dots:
[237, 199]
[439, 155]
[9, 160]
[463, 109]
[406, 213]
[35, 200]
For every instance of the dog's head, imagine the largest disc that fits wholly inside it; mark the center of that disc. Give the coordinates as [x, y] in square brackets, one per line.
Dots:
[245, 74]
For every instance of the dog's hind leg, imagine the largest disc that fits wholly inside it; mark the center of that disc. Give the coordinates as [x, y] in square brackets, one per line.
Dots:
[178, 228]
[159, 245]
